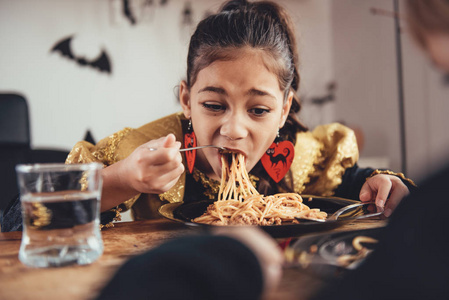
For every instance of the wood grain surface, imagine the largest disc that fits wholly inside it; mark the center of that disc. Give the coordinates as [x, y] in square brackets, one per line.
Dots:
[125, 240]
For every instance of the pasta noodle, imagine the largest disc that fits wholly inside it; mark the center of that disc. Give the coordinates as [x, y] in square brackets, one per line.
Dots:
[362, 252]
[239, 203]
[312, 255]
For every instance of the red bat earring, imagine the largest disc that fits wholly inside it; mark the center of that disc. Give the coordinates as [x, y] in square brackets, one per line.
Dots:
[278, 158]
[189, 142]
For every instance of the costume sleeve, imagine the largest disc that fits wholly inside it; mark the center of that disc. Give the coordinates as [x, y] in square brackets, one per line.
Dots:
[321, 159]
[119, 146]
[325, 163]
[107, 152]
[194, 267]
[354, 178]
[352, 182]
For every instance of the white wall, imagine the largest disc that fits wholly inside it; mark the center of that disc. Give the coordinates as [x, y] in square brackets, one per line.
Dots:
[314, 24]
[365, 68]
[366, 71]
[65, 100]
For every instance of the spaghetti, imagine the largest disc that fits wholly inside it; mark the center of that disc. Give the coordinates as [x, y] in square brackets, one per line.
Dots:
[362, 251]
[239, 203]
[314, 254]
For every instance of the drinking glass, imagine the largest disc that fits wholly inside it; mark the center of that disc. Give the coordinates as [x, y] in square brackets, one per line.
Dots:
[60, 209]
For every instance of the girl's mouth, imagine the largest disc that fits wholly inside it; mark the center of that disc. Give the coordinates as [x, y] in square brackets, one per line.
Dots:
[229, 154]
[232, 151]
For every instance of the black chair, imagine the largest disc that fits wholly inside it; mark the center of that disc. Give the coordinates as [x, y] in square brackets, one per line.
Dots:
[15, 141]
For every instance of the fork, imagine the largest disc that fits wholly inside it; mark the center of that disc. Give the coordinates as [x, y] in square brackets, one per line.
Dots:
[222, 149]
[339, 212]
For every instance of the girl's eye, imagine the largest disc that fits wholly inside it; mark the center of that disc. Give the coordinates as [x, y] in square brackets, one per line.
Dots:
[213, 107]
[259, 111]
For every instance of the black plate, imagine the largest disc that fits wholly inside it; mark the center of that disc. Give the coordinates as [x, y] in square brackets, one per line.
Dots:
[329, 246]
[184, 213]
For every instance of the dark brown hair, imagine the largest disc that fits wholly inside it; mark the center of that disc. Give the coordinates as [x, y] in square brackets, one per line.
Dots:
[261, 25]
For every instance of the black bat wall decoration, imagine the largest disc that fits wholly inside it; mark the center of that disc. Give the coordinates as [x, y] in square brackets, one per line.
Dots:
[128, 13]
[101, 63]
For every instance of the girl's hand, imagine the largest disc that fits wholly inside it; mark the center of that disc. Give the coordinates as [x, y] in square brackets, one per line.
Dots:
[383, 189]
[153, 172]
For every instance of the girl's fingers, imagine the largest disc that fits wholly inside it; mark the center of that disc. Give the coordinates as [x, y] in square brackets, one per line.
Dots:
[399, 191]
[388, 190]
[161, 178]
[145, 158]
[170, 141]
[365, 193]
[383, 191]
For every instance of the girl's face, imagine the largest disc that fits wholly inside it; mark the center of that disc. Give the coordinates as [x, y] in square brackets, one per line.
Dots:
[236, 104]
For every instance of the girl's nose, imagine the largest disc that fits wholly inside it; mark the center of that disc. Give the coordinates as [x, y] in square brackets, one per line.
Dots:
[234, 128]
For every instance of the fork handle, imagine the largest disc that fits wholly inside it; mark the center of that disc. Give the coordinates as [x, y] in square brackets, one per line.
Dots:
[186, 149]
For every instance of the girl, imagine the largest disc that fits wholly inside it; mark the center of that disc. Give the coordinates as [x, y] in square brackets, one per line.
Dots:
[240, 93]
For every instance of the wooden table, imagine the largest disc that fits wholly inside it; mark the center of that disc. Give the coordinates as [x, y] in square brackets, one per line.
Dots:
[127, 239]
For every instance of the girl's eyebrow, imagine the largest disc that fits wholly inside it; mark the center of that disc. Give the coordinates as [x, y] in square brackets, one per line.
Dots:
[221, 91]
[213, 89]
[256, 92]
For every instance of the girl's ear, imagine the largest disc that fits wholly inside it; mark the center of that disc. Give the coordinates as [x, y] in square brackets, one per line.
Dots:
[184, 99]
[286, 109]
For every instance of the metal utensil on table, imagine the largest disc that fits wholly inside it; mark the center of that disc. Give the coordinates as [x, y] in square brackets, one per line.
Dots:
[338, 213]
[222, 149]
